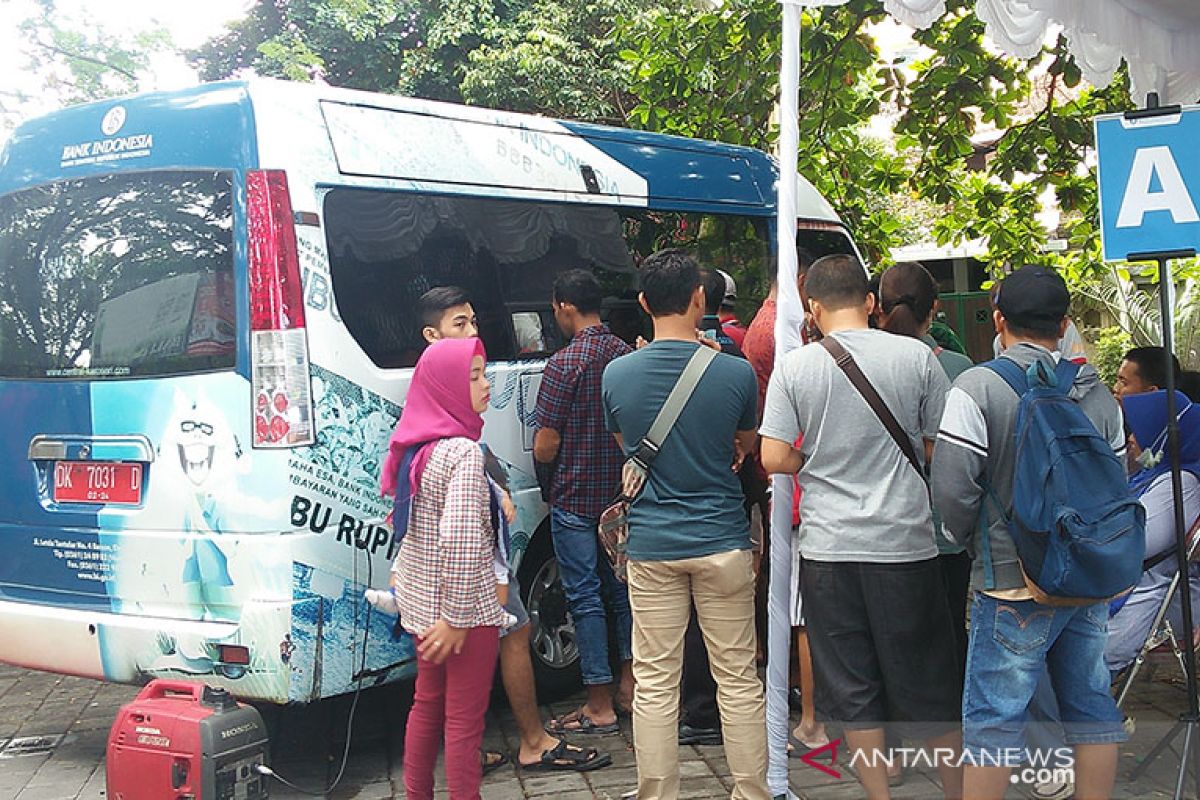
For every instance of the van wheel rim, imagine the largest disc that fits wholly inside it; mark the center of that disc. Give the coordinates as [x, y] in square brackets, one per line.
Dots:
[553, 640]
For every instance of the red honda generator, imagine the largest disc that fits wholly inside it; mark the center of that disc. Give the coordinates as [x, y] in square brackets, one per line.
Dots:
[186, 741]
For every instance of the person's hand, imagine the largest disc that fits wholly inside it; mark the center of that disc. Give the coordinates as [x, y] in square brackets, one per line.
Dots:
[640, 342]
[394, 582]
[508, 509]
[739, 455]
[707, 342]
[441, 640]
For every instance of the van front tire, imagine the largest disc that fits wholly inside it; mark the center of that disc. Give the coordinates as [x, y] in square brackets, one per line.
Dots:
[552, 643]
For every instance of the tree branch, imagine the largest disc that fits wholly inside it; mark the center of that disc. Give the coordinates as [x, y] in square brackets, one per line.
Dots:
[80, 57]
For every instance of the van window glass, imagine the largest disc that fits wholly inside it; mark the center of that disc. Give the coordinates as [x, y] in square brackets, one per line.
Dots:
[119, 275]
[386, 249]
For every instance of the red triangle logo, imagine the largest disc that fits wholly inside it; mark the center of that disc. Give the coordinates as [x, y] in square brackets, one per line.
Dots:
[811, 756]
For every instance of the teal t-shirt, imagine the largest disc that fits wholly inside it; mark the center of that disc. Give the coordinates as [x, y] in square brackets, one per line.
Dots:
[692, 504]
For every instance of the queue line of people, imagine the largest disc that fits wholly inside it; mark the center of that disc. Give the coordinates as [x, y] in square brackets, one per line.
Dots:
[881, 569]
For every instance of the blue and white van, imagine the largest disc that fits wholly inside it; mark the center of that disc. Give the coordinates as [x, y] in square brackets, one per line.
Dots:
[206, 333]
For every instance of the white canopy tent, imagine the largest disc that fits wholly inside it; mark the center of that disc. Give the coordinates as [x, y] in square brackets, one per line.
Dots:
[1160, 41]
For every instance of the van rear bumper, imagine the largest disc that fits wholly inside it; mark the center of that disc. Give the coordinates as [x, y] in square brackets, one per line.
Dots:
[134, 649]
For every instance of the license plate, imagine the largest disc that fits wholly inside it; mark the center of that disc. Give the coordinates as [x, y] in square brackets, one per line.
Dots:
[97, 482]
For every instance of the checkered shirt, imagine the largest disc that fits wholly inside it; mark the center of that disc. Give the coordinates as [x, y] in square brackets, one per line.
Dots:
[445, 562]
[589, 461]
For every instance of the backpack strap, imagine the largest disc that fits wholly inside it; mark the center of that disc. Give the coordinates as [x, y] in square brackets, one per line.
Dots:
[1066, 371]
[1013, 375]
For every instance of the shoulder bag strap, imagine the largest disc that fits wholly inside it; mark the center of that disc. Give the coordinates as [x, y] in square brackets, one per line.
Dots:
[864, 387]
[682, 392]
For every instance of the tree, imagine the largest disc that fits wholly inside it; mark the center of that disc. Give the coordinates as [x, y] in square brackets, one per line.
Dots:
[67, 62]
[526, 55]
[711, 73]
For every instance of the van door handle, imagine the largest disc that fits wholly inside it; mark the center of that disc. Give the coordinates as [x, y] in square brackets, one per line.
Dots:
[82, 447]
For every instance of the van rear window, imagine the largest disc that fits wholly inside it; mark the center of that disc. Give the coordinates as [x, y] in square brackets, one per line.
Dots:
[115, 276]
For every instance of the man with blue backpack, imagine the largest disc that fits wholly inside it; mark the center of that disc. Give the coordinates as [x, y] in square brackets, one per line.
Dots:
[1028, 474]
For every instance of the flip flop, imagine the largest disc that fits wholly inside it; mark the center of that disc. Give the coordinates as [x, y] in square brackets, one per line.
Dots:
[798, 749]
[492, 760]
[566, 757]
[578, 722]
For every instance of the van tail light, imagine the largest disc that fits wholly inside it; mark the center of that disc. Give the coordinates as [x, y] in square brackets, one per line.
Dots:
[278, 345]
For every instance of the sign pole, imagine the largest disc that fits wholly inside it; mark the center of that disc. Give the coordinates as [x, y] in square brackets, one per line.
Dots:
[1189, 720]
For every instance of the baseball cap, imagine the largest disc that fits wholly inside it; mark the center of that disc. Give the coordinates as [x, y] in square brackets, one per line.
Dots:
[1034, 298]
[730, 289]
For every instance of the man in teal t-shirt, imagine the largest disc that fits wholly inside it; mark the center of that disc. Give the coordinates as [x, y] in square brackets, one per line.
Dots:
[689, 537]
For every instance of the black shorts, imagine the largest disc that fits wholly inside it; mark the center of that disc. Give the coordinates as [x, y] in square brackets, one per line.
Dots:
[883, 646]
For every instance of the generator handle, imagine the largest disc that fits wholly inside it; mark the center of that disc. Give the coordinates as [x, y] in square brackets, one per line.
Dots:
[161, 688]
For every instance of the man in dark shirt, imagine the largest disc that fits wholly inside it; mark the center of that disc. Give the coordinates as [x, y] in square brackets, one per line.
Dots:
[570, 422]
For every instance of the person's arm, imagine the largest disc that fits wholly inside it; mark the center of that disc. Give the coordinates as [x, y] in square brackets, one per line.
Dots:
[746, 438]
[545, 445]
[959, 465]
[556, 395]
[780, 427]
[779, 457]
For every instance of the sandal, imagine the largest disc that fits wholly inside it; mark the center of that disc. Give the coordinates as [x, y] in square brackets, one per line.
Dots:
[568, 757]
[491, 760]
[798, 748]
[579, 722]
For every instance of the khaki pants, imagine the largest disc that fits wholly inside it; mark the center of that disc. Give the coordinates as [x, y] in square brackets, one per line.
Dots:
[661, 594]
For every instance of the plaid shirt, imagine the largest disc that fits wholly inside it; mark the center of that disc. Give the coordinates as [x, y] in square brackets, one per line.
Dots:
[445, 562]
[589, 461]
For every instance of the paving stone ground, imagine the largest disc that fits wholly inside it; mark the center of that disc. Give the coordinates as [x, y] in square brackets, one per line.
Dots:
[308, 742]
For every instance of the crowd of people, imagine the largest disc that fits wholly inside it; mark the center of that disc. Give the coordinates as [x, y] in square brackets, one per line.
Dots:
[905, 466]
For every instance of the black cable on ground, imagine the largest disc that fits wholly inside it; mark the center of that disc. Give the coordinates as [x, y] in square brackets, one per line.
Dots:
[263, 769]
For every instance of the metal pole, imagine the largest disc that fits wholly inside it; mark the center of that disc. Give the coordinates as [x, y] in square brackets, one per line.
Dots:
[1192, 716]
[789, 316]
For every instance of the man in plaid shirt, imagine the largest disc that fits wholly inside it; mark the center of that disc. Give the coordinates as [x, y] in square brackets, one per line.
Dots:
[570, 421]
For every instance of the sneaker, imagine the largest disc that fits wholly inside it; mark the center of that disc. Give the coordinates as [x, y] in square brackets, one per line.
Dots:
[383, 600]
[1053, 790]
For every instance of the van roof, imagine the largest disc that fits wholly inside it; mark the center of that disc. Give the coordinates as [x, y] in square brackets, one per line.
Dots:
[92, 138]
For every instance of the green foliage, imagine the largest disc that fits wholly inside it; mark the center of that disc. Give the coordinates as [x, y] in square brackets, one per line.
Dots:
[538, 56]
[1111, 346]
[75, 62]
[355, 43]
[555, 58]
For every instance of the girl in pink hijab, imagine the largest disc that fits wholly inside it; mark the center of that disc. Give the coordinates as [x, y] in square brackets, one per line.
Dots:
[446, 580]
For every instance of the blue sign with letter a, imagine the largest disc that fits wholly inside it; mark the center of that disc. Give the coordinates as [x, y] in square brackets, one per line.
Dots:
[1149, 171]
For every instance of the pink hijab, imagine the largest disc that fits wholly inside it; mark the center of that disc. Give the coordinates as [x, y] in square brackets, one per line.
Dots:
[438, 407]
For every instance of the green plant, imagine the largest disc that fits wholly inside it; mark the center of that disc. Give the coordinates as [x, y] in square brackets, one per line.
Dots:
[1111, 346]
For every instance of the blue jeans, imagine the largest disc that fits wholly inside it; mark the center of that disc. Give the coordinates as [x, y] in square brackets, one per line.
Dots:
[585, 574]
[1012, 644]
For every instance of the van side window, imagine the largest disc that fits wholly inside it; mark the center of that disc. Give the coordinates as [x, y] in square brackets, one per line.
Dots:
[386, 249]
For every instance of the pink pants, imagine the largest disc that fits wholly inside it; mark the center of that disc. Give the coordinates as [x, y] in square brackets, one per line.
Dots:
[451, 699]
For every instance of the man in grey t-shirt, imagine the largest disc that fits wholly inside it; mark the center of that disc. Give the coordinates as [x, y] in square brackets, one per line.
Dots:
[878, 621]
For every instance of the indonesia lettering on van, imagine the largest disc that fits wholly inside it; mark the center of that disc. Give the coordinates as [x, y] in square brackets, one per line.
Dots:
[110, 148]
[547, 151]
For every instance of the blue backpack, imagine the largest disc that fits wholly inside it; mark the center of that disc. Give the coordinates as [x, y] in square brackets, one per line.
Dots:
[1079, 531]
